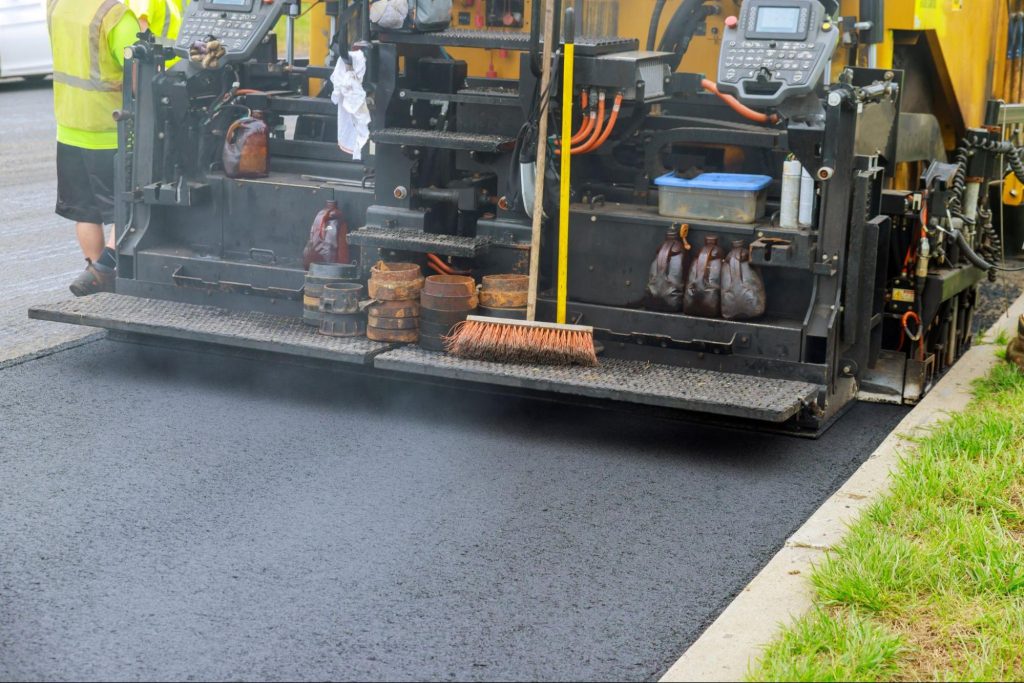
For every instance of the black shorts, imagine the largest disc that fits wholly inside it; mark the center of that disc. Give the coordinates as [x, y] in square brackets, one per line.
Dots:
[85, 184]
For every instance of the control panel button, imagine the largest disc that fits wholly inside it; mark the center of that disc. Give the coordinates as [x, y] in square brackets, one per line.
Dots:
[731, 22]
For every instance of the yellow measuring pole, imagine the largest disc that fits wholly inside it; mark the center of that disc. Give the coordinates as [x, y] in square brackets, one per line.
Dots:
[568, 63]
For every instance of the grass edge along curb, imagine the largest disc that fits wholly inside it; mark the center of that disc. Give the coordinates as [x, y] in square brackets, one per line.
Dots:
[929, 582]
[781, 593]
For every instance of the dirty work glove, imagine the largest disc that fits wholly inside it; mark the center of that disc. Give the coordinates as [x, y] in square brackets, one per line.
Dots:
[389, 14]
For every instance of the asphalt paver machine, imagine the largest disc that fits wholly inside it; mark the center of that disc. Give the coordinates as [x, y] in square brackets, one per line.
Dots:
[870, 237]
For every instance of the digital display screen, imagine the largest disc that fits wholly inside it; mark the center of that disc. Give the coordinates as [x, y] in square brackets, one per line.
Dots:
[229, 4]
[778, 20]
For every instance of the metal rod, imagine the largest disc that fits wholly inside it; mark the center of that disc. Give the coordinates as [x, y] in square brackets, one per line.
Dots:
[289, 40]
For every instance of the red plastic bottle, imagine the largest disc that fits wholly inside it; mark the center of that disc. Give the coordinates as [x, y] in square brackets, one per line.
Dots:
[328, 237]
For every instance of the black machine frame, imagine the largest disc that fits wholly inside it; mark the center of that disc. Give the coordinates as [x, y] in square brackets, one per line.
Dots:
[442, 177]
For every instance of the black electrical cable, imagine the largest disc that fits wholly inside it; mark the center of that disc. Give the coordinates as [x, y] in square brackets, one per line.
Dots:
[670, 38]
[977, 260]
[652, 31]
[682, 27]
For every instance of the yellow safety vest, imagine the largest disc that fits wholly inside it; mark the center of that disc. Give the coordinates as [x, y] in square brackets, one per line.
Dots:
[86, 76]
[163, 16]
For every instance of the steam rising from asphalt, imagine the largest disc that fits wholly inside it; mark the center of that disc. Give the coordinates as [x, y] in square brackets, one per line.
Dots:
[327, 388]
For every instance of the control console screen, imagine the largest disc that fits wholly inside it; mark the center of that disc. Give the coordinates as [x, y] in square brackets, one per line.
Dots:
[230, 5]
[775, 50]
[778, 20]
[238, 25]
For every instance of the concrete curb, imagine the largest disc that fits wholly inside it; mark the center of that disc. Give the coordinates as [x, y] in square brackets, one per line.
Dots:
[781, 593]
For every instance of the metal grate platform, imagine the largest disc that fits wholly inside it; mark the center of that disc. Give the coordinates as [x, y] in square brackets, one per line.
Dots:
[704, 391]
[506, 40]
[720, 393]
[419, 242]
[468, 142]
[208, 324]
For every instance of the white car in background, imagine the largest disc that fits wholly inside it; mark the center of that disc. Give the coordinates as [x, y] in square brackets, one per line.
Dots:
[24, 39]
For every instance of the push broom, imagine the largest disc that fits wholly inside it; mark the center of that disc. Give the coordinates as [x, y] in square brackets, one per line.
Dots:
[511, 341]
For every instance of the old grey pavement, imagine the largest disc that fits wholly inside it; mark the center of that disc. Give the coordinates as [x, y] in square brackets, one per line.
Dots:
[39, 255]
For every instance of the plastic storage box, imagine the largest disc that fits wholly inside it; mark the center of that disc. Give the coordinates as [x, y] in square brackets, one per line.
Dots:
[730, 197]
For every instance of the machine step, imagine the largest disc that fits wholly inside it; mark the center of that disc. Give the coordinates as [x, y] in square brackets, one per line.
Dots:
[506, 40]
[208, 324]
[716, 393]
[468, 142]
[705, 391]
[417, 241]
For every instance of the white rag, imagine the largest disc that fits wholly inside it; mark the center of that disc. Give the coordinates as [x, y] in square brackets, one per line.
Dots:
[389, 14]
[353, 114]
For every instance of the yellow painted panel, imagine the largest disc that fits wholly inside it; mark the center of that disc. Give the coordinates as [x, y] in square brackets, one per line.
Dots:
[970, 35]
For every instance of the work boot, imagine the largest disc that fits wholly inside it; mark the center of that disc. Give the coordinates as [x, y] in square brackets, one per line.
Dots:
[93, 279]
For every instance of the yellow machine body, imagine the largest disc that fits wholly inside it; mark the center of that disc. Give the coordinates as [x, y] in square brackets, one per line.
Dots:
[957, 47]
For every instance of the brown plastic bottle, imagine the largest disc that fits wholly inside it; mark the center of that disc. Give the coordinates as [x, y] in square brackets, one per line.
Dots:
[246, 148]
[704, 285]
[743, 293]
[666, 285]
[328, 237]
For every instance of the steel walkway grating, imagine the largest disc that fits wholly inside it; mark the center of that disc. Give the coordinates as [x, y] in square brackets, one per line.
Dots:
[257, 331]
[506, 40]
[707, 391]
[402, 239]
[469, 142]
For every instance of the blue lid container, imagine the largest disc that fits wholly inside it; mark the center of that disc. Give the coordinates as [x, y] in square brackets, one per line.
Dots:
[729, 182]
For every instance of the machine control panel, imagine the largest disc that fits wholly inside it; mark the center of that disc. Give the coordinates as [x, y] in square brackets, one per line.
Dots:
[775, 50]
[239, 25]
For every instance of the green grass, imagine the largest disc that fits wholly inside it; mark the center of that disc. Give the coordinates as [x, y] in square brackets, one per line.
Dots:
[929, 583]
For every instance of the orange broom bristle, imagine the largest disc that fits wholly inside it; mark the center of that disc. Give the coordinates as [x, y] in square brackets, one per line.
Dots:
[511, 342]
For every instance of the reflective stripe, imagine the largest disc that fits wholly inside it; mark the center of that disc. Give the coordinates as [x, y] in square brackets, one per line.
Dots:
[172, 17]
[95, 36]
[167, 19]
[83, 84]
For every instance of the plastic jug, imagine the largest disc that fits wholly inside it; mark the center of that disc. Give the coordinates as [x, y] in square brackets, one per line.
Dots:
[743, 292]
[246, 146]
[666, 286]
[704, 285]
[328, 237]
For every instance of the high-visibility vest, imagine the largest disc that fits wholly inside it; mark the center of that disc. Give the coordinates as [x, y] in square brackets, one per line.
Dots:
[86, 76]
[164, 16]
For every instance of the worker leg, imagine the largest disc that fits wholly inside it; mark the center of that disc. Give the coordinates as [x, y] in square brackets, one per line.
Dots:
[85, 194]
[90, 238]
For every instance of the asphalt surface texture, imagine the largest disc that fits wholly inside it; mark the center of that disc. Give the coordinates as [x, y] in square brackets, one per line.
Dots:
[39, 255]
[180, 515]
[175, 515]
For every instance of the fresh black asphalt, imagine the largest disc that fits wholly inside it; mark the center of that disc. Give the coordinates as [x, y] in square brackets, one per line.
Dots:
[173, 515]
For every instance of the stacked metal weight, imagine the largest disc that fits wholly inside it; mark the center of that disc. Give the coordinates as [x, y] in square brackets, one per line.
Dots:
[339, 310]
[504, 296]
[319, 276]
[445, 302]
[394, 315]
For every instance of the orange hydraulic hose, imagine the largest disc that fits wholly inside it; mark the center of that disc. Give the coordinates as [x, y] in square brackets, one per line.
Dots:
[437, 264]
[610, 127]
[595, 132]
[588, 120]
[598, 129]
[586, 130]
[741, 109]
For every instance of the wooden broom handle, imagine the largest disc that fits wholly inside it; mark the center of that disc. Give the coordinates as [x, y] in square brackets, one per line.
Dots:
[542, 158]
